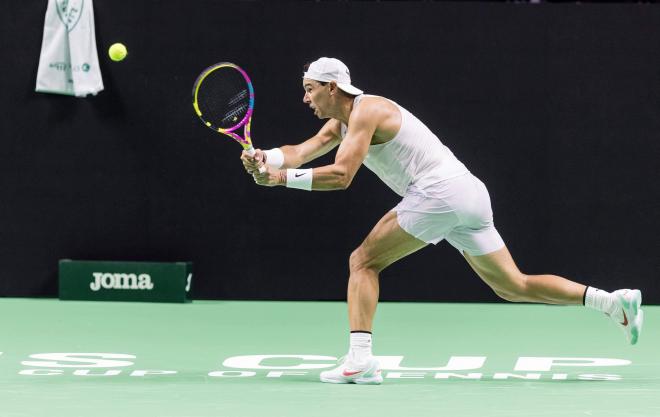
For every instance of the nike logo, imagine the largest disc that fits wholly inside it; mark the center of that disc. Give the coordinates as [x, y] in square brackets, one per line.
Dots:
[625, 319]
[300, 175]
[350, 373]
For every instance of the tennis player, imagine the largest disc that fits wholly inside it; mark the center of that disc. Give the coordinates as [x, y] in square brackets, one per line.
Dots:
[441, 200]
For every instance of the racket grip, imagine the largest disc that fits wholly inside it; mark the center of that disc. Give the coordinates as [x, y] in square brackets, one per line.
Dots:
[250, 151]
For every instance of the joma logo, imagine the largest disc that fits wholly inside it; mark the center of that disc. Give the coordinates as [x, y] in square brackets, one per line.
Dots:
[120, 281]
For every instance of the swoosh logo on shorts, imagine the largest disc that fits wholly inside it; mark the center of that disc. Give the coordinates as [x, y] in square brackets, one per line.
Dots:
[625, 319]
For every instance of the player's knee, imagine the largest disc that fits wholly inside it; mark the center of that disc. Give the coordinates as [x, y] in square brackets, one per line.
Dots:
[360, 259]
[515, 289]
[507, 295]
[357, 260]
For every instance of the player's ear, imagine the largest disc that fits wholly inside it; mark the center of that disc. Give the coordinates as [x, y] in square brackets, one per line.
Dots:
[332, 87]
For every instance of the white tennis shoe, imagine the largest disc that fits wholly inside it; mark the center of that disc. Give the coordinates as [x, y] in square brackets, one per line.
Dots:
[349, 372]
[629, 316]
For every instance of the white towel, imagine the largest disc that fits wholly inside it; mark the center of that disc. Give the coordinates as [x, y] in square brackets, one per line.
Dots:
[69, 63]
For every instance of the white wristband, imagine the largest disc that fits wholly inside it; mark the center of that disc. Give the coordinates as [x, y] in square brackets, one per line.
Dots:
[299, 178]
[274, 157]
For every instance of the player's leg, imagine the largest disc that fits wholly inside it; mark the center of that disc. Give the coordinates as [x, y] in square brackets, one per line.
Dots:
[499, 271]
[478, 240]
[386, 243]
[476, 237]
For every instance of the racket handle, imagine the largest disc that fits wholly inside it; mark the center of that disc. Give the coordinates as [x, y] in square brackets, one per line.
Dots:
[250, 151]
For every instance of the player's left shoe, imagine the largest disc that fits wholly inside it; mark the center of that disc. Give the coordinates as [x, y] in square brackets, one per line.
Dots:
[349, 372]
[630, 317]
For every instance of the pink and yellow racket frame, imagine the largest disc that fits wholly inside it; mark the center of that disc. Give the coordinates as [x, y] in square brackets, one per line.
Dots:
[245, 141]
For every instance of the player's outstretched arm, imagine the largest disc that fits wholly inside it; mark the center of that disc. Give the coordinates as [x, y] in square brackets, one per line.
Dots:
[336, 176]
[327, 138]
[293, 156]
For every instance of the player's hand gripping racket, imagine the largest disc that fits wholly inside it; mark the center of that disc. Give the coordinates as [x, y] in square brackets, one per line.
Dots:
[223, 99]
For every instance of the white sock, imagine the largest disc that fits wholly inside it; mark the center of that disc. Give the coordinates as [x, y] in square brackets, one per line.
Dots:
[360, 346]
[600, 300]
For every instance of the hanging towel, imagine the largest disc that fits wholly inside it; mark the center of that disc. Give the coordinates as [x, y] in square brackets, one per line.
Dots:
[69, 63]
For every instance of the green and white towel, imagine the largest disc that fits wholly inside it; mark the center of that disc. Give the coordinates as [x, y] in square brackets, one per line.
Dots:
[69, 62]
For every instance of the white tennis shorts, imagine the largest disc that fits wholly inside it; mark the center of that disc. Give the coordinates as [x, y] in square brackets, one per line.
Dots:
[457, 209]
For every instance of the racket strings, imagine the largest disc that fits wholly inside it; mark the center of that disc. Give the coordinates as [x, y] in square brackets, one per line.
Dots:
[238, 97]
[234, 115]
[224, 98]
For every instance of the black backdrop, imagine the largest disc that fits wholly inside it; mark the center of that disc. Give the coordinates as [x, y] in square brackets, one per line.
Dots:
[555, 107]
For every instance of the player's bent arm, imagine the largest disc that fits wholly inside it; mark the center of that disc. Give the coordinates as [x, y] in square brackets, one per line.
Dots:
[318, 145]
[351, 152]
[339, 175]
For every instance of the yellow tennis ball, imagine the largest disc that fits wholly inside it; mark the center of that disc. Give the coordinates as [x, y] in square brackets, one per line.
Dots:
[117, 52]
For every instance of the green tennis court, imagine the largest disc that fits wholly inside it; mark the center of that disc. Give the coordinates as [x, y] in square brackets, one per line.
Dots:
[239, 358]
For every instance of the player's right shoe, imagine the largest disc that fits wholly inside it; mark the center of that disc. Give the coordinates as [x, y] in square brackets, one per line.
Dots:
[630, 318]
[349, 372]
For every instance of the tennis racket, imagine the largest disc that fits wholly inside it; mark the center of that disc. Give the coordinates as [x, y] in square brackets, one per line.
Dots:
[223, 99]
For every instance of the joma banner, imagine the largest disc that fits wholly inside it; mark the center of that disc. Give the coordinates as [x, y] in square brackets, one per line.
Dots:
[125, 281]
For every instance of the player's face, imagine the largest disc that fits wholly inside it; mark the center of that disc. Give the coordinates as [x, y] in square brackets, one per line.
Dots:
[316, 96]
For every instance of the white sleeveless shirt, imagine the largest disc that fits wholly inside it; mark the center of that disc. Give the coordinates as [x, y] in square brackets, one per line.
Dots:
[415, 158]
